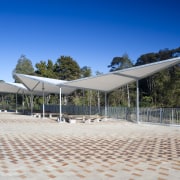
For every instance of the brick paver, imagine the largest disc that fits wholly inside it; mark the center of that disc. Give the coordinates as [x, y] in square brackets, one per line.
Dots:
[32, 148]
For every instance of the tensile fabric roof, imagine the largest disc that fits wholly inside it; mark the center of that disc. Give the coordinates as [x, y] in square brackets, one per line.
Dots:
[110, 81]
[39, 84]
[15, 88]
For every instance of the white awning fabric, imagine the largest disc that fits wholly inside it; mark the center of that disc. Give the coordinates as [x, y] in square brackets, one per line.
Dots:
[37, 85]
[109, 82]
[40, 84]
[15, 88]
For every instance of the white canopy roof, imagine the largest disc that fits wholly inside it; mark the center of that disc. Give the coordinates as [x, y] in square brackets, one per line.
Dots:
[7, 87]
[116, 79]
[38, 84]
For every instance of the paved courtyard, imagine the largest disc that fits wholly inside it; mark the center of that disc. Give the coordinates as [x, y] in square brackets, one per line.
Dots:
[40, 149]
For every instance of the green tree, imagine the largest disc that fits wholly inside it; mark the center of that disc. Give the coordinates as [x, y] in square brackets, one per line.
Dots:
[67, 69]
[174, 87]
[119, 63]
[86, 72]
[157, 89]
[81, 96]
[98, 73]
[45, 69]
[24, 66]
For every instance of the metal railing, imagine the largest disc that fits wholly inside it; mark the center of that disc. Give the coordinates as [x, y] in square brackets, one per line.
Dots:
[160, 115]
[146, 115]
[168, 116]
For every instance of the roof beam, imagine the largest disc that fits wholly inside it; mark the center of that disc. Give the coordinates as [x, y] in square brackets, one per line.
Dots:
[126, 75]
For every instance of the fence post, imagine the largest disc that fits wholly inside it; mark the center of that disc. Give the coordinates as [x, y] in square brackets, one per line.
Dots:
[160, 115]
[137, 101]
[172, 118]
[148, 115]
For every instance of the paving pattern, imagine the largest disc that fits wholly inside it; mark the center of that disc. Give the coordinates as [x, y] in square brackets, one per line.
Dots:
[44, 149]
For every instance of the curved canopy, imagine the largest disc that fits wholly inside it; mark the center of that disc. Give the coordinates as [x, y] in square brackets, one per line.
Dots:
[116, 79]
[39, 84]
[7, 87]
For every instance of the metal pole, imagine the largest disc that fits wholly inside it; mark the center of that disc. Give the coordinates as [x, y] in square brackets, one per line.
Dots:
[99, 110]
[84, 112]
[172, 120]
[137, 101]
[31, 103]
[160, 114]
[105, 105]
[60, 105]
[23, 103]
[43, 98]
[16, 102]
[90, 95]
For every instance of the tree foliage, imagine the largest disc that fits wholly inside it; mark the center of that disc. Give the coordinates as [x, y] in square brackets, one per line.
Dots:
[24, 66]
[122, 94]
[45, 69]
[67, 69]
[158, 88]
[119, 63]
[86, 72]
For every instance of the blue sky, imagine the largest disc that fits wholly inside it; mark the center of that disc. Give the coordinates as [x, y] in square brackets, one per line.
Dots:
[92, 32]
